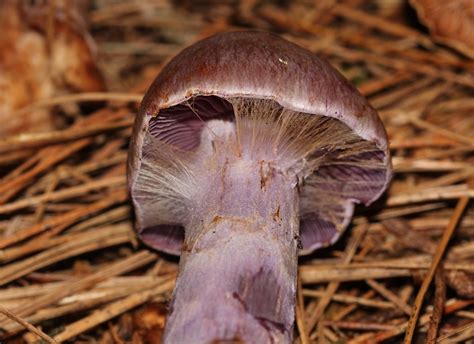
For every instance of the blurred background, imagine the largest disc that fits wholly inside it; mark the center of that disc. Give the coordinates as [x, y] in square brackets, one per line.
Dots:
[72, 74]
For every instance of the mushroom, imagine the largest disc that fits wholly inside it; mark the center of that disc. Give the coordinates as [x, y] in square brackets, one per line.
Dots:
[248, 150]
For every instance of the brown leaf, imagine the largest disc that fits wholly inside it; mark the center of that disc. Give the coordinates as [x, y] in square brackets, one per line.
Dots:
[450, 22]
[150, 322]
[34, 67]
[153, 314]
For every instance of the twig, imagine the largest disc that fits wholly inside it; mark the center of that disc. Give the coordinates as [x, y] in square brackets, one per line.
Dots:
[61, 220]
[382, 24]
[48, 157]
[442, 131]
[440, 298]
[389, 296]
[34, 140]
[434, 194]
[458, 211]
[80, 97]
[111, 311]
[129, 264]
[352, 325]
[349, 253]
[64, 194]
[464, 332]
[66, 248]
[86, 300]
[26, 325]
[309, 274]
[350, 299]
[300, 316]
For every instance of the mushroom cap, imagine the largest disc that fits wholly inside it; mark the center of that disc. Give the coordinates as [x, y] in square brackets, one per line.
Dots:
[262, 65]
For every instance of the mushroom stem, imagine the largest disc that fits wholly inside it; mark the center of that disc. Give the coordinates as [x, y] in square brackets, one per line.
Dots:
[238, 268]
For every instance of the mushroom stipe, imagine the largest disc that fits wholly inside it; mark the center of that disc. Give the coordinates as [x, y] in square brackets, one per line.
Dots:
[239, 181]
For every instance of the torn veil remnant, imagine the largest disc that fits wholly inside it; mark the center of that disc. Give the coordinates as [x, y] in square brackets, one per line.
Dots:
[248, 151]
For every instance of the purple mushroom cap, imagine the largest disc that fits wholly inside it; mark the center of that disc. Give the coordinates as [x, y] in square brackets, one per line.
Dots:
[200, 84]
